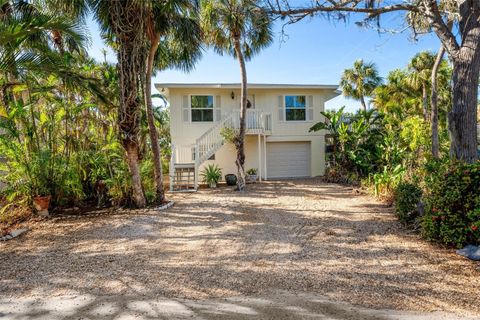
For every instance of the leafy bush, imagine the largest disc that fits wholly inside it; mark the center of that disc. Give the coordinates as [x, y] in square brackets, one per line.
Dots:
[407, 196]
[452, 203]
[386, 181]
[228, 134]
[337, 174]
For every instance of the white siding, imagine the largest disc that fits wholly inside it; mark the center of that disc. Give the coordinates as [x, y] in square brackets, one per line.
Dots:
[185, 132]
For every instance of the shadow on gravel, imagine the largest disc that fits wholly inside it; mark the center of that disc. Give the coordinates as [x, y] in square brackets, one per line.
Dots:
[211, 244]
[277, 306]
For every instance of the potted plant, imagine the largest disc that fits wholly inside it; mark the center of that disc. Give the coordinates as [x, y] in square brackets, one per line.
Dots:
[251, 175]
[41, 204]
[211, 175]
[231, 179]
[40, 182]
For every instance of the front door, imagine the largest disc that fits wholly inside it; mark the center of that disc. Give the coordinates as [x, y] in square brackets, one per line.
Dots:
[250, 101]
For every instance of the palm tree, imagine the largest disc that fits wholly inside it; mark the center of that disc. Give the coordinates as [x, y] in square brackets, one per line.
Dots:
[360, 81]
[172, 26]
[395, 96]
[420, 72]
[240, 28]
[157, 22]
[125, 22]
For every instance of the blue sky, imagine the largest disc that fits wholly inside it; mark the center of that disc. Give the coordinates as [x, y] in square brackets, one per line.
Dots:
[314, 51]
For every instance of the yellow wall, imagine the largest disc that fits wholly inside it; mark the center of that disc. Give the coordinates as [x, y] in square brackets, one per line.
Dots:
[185, 133]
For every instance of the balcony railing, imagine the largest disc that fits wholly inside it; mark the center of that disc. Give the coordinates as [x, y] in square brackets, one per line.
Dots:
[256, 121]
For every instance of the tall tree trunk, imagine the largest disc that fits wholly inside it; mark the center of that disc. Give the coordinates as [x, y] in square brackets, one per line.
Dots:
[425, 101]
[462, 119]
[434, 103]
[128, 25]
[364, 105]
[240, 139]
[466, 66]
[157, 162]
[131, 149]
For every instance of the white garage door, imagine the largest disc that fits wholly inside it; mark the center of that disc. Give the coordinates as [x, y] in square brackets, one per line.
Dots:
[288, 159]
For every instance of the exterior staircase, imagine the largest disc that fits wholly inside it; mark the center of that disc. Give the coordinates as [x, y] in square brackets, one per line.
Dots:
[187, 159]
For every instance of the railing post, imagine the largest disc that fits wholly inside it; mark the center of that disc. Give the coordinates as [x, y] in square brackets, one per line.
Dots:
[171, 170]
[197, 163]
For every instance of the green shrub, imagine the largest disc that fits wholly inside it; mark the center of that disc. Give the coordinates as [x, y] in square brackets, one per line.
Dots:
[406, 196]
[211, 174]
[452, 213]
[386, 181]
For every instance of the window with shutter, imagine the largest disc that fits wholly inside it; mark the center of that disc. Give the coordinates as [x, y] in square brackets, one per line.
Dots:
[295, 108]
[201, 108]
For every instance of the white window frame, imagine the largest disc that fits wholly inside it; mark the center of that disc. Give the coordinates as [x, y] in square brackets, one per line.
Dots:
[191, 109]
[285, 107]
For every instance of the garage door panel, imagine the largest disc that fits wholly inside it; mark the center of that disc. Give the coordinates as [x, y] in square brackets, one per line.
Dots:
[288, 159]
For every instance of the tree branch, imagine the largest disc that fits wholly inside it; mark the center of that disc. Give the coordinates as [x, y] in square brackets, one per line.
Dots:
[343, 6]
[426, 8]
[443, 31]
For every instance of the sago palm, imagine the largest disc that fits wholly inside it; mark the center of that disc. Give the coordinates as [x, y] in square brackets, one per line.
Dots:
[360, 81]
[240, 28]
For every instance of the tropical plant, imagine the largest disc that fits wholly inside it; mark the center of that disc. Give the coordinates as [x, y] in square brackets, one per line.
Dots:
[56, 145]
[211, 174]
[360, 81]
[240, 28]
[386, 181]
[332, 122]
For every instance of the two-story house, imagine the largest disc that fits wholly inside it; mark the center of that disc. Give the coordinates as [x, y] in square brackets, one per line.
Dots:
[278, 142]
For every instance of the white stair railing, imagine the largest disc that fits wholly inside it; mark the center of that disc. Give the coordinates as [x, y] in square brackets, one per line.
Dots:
[211, 141]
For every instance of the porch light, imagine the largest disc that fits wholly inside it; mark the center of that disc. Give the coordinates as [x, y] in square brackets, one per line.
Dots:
[232, 95]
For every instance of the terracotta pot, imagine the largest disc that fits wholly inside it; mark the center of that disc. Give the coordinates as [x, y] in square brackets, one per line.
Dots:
[41, 204]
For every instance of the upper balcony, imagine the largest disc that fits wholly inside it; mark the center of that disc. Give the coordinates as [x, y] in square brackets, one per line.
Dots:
[256, 122]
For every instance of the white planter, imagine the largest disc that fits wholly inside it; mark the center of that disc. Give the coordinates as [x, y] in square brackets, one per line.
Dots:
[251, 178]
[212, 184]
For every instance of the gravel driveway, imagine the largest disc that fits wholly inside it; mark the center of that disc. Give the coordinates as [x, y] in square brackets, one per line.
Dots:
[280, 238]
